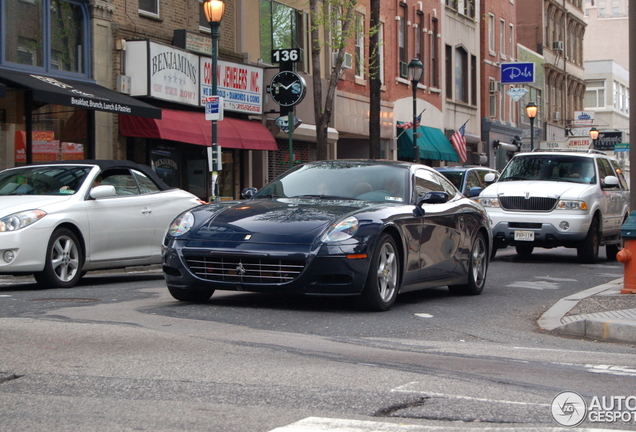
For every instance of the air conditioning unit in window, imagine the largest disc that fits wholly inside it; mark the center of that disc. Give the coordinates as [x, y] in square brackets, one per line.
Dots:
[347, 61]
[557, 46]
[404, 70]
[494, 86]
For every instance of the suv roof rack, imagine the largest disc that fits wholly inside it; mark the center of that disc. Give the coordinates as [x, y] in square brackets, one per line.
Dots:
[570, 151]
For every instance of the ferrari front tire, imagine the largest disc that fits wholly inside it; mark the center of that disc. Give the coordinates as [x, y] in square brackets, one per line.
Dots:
[383, 280]
[188, 295]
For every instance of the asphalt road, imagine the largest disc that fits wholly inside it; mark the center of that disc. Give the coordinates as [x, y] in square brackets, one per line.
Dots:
[118, 353]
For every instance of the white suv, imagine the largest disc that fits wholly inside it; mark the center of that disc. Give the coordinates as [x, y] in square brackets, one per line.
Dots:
[576, 199]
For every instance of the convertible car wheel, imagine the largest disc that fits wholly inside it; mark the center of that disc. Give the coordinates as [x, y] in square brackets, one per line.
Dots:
[63, 267]
[186, 295]
[477, 269]
[382, 284]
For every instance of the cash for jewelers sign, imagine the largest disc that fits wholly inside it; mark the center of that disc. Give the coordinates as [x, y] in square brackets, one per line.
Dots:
[571, 409]
[241, 86]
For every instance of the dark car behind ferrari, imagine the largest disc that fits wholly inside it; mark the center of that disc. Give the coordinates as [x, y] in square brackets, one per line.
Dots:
[370, 229]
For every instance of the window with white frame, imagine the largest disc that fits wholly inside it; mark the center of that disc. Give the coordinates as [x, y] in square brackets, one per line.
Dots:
[401, 30]
[149, 7]
[204, 25]
[491, 33]
[502, 37]
[434, 54]
[46, 34]
[511, 38]
[359, 39]
[461, 75]
[282, 27]
[595, 94]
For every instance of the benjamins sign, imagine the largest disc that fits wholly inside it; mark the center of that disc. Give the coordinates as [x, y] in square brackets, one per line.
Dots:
[163, 72]
[517, 73]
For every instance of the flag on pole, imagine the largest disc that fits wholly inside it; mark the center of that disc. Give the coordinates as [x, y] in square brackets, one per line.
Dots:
[409, 125]
[459, 142]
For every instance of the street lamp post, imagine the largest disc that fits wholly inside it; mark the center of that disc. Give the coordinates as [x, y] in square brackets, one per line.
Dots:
[594, 135]
[531, 111]
[214, 10]
[416, 69]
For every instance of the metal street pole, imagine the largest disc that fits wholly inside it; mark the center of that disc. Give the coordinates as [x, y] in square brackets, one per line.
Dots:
[416, 148]
[216, 157]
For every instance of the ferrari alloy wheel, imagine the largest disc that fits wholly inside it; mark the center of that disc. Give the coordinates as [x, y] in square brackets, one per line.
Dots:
[63, 266]
[477, 269]
[188, 295]
[382, 284]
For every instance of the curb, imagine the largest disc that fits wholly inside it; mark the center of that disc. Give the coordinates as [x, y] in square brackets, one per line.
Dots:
[609, 329]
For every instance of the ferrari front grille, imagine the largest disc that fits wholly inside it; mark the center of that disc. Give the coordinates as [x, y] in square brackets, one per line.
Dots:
[244, 270]
[530, 204]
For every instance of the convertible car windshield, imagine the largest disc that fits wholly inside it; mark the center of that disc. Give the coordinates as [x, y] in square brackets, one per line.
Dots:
[53, 180]
[382, 183]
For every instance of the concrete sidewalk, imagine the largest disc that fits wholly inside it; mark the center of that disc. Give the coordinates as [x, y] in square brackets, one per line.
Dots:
[601, 313]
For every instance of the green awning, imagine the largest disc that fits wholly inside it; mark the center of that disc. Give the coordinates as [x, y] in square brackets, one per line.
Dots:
[432, 142]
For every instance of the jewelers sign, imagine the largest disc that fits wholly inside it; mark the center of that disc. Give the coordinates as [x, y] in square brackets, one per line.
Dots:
[241, 86]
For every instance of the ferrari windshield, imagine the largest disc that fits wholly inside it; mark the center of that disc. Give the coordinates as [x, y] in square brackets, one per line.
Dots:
[369, 182]
[552, 167]
[43, 180]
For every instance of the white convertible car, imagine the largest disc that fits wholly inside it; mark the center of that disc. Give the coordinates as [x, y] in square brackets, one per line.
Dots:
[59, 220]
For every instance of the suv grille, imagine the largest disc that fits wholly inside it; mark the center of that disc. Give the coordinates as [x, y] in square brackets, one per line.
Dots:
[531, 204]
[241, 269]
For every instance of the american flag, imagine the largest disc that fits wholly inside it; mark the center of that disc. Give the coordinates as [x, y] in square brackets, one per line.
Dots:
[409, 125]
[459, 142]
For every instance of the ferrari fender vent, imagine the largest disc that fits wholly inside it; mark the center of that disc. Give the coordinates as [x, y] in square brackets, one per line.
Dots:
[531, 204]
[244, 270]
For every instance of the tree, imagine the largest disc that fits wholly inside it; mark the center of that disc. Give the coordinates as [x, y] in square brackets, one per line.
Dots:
[375, 82]
[331, 27]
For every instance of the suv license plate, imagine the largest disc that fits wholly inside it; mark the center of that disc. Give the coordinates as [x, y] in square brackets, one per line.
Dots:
[524, 235]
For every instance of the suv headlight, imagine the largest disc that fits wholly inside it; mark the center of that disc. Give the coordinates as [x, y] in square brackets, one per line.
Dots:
[489, 202]
[20, 220]
[343, 230]
[571, 205]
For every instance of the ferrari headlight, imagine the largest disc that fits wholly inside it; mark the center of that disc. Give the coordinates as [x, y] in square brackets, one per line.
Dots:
[181, 225]
[489, 202]
[20, 220]
[343, 230]
[571, 205]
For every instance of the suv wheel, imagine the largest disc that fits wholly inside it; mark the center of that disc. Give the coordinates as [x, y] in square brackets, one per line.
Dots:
[524, 250]
[588, 249]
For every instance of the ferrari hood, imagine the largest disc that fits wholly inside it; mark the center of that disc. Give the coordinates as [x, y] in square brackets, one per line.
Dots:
[283, 220]
[536, 189]
[10, 204]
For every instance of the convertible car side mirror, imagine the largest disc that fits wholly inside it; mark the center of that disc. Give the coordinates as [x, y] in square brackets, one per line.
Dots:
[103, 191]
[433, 198]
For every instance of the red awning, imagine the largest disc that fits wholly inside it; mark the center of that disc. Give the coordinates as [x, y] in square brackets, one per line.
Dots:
[192, 127]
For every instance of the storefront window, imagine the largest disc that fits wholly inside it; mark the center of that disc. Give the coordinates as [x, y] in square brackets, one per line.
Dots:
[27, 42]
[59, 133]
[11, 124]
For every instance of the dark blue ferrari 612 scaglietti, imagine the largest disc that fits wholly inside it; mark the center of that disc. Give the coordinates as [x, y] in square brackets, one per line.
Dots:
[365, 228]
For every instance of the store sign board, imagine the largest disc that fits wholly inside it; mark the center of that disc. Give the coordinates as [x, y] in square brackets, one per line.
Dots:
[582, 118]
[163, 72]
[241, 86]
[517, 73]
[607, 141]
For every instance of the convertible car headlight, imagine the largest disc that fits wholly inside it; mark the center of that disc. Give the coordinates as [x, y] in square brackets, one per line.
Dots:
[181, 225]
[20, 220]
[489, 202]
[343, 230]
[571, 205]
